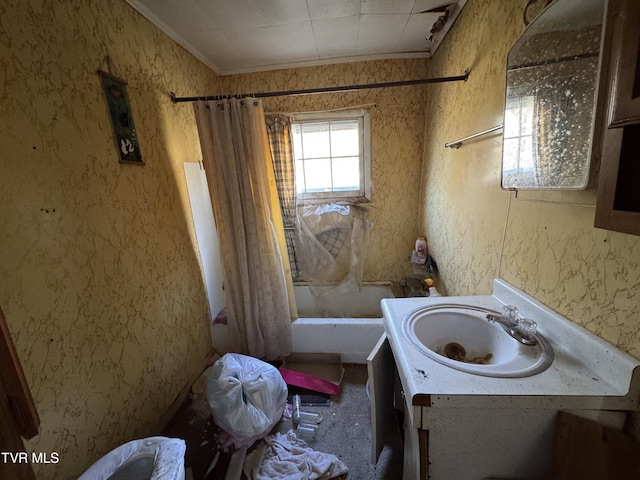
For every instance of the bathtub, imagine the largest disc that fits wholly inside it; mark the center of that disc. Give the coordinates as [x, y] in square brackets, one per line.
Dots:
[348, 324]
[362, 304]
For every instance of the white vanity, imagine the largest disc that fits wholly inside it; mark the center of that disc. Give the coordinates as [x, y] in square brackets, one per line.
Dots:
[467, 425]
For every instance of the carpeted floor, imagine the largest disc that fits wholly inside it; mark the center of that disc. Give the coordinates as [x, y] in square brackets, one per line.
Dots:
[345, 431]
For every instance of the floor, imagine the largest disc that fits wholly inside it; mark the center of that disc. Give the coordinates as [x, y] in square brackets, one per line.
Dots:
[345, 431]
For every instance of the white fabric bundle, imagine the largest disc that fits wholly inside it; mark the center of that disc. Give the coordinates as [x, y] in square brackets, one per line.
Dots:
[285, 457]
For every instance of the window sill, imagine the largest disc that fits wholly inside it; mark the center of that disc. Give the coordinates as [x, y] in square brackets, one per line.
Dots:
[339, 200]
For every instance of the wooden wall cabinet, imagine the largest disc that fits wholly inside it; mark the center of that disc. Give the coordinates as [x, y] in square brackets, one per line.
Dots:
[618, 203]
[18, 414]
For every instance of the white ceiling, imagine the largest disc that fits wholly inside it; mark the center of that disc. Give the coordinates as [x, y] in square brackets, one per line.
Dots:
[240, 36]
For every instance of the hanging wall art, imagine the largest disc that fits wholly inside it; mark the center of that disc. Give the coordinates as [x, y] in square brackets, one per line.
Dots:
[115, 91]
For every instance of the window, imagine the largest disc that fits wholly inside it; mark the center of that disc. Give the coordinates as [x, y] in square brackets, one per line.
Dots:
[331, 153]
[518, 158]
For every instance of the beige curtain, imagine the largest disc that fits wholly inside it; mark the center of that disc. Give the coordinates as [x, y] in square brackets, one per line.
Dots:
[243, 193]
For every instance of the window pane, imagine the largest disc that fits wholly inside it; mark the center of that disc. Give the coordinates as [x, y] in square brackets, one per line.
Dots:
[317, 174]
[345, 139]
[299, 176]
[526, 120]
[346, 173]
[510, 157]
[329, 155]
[512, 119]
[296, 135]
[526, 154]
[315, 140]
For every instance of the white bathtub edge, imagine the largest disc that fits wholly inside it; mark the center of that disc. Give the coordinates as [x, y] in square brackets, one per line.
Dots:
[352, 338]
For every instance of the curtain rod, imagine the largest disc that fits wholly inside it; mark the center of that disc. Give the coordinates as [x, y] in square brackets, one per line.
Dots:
[309, 91]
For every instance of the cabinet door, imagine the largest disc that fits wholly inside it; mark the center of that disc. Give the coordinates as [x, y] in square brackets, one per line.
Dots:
[381, 368]
[18, 415]
[624, 93]
[618, 204]
[15, 385]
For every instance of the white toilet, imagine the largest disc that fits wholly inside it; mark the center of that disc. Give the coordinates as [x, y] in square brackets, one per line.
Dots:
[153, 458]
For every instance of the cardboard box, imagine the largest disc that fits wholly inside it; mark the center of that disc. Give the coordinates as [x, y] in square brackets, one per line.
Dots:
[320, 372]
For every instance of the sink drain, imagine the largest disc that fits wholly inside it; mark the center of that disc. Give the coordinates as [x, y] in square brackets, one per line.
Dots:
[455, 351]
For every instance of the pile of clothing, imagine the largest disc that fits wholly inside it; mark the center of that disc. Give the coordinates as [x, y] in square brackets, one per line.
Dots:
[286, 457]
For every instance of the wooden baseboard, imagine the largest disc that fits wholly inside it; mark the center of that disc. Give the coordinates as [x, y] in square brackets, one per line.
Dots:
[164, 420]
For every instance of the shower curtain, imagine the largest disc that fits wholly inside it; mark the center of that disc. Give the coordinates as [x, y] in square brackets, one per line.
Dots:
[278, 131]
[241, 183]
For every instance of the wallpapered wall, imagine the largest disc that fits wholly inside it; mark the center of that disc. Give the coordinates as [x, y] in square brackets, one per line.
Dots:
[397, 130]
[99, 274]
[543, 243]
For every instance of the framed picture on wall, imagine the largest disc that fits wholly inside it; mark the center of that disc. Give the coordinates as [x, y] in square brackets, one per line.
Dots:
[115, 91]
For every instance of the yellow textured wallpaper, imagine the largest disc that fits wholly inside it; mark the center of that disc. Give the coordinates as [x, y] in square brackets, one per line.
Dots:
[543, 243]
[99, 272]
[397, 130]
[99, 275]
[464, 208]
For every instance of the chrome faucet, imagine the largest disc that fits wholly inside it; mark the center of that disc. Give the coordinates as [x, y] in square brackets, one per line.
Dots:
[522, 329]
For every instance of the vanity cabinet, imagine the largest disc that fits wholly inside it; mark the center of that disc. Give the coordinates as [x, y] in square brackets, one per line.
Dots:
[475, 427]
[458, 441]
[618, 203]
[449, 437]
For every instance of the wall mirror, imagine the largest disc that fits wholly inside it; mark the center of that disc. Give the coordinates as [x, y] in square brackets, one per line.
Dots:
[552, 80]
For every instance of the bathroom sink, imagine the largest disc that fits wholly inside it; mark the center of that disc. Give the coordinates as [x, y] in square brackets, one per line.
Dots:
[461, 337]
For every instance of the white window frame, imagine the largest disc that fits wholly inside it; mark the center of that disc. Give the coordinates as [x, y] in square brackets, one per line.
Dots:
[518, 136]
[350, 196]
